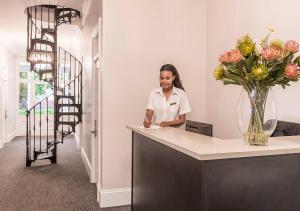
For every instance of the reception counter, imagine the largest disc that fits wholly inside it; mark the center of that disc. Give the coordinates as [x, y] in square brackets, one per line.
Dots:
[173, 169]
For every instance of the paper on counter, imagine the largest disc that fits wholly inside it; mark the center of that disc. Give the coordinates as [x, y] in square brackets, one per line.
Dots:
[151, 127]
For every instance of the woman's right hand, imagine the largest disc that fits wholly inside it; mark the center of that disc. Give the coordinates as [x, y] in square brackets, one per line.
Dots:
[146, 123]
[148, 118]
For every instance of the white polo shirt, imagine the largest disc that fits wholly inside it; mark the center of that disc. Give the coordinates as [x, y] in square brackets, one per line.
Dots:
[168, 110]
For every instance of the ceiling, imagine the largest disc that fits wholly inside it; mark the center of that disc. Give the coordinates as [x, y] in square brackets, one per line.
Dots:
[13, 29]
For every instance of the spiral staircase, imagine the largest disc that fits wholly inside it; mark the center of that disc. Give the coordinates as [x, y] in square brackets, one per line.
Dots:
[53, 118]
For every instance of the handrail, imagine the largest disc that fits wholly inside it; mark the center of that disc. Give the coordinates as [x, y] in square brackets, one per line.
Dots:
[63, 87]
[53, 92]
[28, 111]
[70, 54]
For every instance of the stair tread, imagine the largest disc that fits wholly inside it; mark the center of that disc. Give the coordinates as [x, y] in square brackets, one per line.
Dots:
[65, 96]
[64, 132]
[40, 51]
[40, 41]
[52, 142]
[48, 31]
[48, 156]
[39, 152]
[66, 123]
[66, 10]
[44, 71]
[69, 113]
[68, 15]
[70, 104]
[41, 61]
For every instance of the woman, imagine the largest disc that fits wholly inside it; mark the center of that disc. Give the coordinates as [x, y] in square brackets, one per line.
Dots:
[167, 105]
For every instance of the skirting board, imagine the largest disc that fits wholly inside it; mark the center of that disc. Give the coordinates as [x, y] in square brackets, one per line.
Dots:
[11, 136]
[77, 140]
[86, 163]
[115, 197]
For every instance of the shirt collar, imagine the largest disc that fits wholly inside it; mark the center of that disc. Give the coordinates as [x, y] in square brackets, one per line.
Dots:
[175, 91]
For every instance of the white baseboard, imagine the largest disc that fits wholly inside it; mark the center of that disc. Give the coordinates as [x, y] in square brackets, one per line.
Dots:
[77, 140]
[115, 197]
[11, 136]
[98, 192]
[86, 162]
[1, 144]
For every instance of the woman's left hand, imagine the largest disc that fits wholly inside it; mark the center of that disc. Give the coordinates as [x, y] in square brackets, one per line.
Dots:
[164, 124]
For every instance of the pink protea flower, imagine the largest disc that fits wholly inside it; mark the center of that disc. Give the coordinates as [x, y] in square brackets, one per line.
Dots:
[291, 70]
[291, 46]
[232, 56]
[271, 53]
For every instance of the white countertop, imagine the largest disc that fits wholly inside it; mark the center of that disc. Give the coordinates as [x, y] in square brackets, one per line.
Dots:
[209, 148]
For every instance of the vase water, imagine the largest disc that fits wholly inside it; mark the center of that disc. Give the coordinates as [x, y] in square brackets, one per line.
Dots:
[256, 115]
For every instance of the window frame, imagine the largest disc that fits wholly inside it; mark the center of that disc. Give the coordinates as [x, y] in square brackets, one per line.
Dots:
[31, 86]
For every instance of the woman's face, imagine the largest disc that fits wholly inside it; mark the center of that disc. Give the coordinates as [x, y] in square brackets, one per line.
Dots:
[166, 79]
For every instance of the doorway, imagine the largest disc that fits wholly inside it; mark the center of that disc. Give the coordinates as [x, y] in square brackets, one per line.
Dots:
[96, 106]
[3, 137]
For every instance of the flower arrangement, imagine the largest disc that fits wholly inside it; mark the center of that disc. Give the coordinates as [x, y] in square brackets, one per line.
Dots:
[257, 69]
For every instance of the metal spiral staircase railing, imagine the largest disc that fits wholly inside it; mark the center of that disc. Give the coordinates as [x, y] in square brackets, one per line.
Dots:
[53, 118]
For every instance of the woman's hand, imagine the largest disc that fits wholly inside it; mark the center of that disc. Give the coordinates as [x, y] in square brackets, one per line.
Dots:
[164, 124]
[148, 118]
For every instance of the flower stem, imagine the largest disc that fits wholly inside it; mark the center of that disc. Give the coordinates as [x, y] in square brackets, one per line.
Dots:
[255, 134]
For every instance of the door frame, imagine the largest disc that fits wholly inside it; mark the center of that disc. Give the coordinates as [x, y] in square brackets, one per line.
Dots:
[3, 106]
[96, 141]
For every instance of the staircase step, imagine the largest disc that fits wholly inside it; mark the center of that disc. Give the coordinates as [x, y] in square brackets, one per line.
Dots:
[38, 51]
[66, 97]
[44, 71]
[77, 114]
[48, 80]
[60, 105]
[46, 156]
[64, 133]
[72, 124]
[66, 10]
[43, 42]
[69, 113]
[68, 13]
[66, 123]
[48, 31]
[54, 142]
[38, 153]
[41, 61]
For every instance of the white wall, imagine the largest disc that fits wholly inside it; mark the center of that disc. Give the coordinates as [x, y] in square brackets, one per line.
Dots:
[138, 38]
[8, 59]
[227, 20]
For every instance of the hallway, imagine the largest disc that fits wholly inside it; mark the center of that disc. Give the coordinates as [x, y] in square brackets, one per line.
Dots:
[64, 186]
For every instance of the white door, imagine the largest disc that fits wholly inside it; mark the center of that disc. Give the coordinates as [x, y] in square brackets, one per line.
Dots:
[96, 107]
[3, 107]
[95, 122]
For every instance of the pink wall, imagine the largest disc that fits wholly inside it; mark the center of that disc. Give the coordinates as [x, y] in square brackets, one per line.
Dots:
[227, 20]
[139, 37]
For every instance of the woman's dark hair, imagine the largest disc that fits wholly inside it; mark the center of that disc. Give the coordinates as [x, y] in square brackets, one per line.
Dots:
[177, 82]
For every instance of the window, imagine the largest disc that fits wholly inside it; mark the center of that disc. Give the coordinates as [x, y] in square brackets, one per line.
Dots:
[32, 90]
[23, 98]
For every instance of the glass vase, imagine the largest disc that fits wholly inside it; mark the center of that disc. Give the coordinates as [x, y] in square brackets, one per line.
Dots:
[256, 115]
